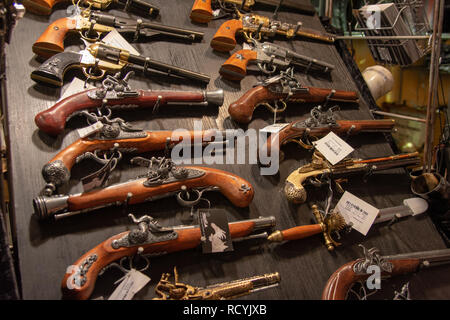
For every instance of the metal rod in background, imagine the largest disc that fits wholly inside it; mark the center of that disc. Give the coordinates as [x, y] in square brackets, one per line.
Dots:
[400, 116]
[438, 18]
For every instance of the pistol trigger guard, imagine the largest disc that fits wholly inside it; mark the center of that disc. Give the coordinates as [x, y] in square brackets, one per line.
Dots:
[187, 202]
[264, 67]
[89, 75]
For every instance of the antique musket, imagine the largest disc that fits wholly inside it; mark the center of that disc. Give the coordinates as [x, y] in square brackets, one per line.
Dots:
[92, 25]
[116, 93]
[150, 238]
[341, 281]
[255, 26]
[311, 173]
[335, 222]
[318, 125]
[269, 58]
[116, 137]
[45, 7]
[105, 58]
[276, 92]
[164, 179]
[202, 12]
[220, 291]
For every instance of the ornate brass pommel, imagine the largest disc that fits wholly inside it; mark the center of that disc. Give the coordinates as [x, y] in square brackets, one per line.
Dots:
[332, 222]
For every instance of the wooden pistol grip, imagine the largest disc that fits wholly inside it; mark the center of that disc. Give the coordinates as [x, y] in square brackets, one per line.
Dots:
[277, 139]
[225, 38]
[343, 279]
[242, 109]
[51, 40]
[53, 120]
[235, 68]
[41, 7]
[201, 11]
[301, 232]
[102, 255]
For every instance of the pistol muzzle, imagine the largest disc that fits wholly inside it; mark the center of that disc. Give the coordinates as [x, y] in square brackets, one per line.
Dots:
[214, 97]
[47, 207]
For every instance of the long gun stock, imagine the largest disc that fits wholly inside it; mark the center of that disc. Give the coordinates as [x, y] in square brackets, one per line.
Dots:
[294, 186]
[152, 239]
[107, 59]
[242, 109]
[225, 38]
[341, 281]
[234, 188]
[57, 171]
[53, 120]
[308, 129]
[45, 7]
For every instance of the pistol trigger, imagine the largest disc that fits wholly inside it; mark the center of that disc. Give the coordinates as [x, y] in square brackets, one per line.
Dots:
[339, 187]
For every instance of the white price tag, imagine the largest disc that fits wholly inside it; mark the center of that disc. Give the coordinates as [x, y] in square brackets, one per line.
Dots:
[77, 85]
[274, 128]
[246, 46]
[87, 131]
[216, 13]
[113, 38]
[358, 212]
[132, 283]
[333, 148]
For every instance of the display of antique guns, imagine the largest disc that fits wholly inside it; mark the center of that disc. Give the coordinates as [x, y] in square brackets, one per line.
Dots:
[341, 281]
[220, 291]
[154, 239]
[311, 173]
[91, 25]
[252, 25]
[320, 124]
[202, 9]
[280, 90]
[106, 58]
[269, 58]
[115, 138]
[335, 221]
[44, 7]
[116, 93]
[164, 179]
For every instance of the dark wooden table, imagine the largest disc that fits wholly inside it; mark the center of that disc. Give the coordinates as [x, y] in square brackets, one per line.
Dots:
[46, 250]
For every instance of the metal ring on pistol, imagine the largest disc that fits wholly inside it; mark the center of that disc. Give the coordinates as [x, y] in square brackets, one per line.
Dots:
[189, 203]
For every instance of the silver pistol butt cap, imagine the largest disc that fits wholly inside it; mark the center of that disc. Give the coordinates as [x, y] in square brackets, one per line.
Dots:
[215, 97]
[46, 207]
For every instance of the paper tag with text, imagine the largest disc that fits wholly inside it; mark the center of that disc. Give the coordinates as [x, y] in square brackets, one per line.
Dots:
[216, 12]
[358, 212]
[113, 38]
[77, 85]
[215, 233]
[132, 283]
[274, 128]
[333, 148]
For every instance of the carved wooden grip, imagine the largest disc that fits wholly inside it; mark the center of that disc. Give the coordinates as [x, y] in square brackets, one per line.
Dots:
[51, 41]
[235, 68]
[225, 38]
[102, 255]
[242, 109]
[41, 7]
[342, 279]
[201, 11]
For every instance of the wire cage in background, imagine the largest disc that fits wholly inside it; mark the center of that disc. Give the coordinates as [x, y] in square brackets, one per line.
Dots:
[397, 33]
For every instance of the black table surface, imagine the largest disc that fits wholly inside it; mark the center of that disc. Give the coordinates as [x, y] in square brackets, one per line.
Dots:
[45, 250]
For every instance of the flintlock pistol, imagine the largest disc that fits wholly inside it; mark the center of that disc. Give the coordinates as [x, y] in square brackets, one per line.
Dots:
[163, 179]
[149, 238]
